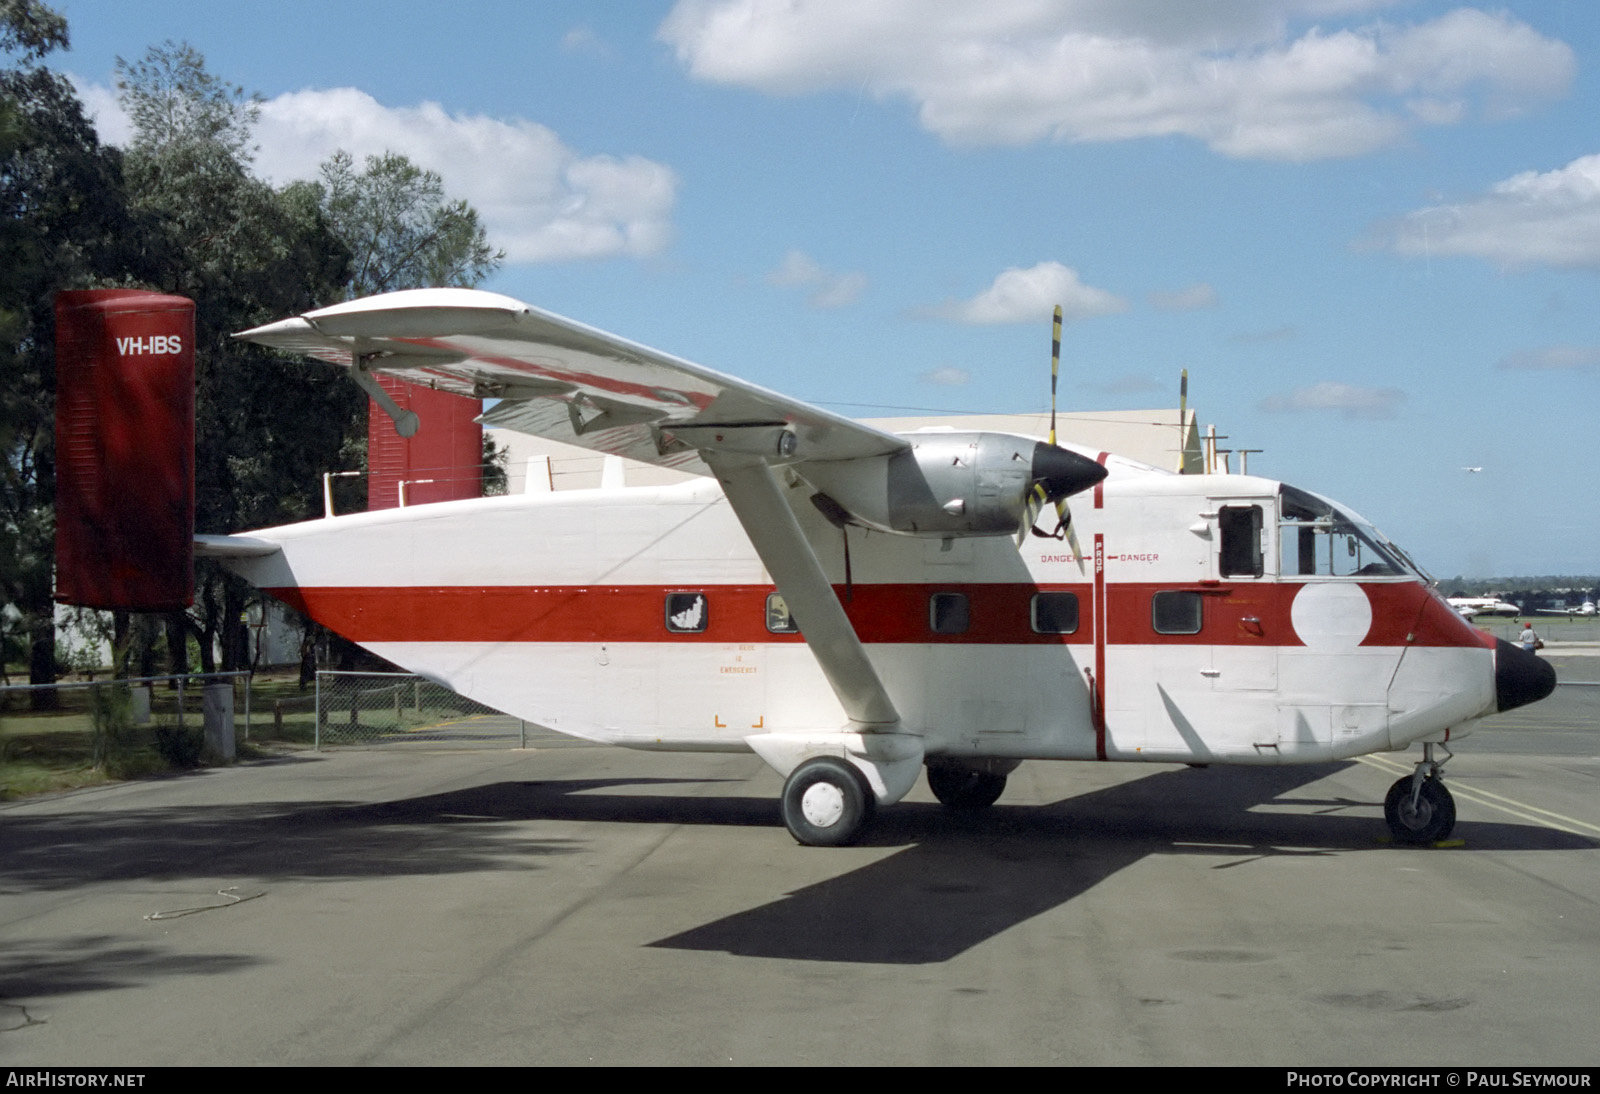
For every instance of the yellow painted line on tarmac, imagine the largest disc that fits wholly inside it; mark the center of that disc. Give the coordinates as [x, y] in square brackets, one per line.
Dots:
[1521, 810]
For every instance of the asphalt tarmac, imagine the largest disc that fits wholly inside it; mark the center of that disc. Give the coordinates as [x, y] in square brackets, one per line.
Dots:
[593, 905]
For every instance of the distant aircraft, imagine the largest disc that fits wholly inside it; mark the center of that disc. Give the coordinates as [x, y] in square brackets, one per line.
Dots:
[1471, 606]
[1587, 608]
[1472, 470]
[854, 605]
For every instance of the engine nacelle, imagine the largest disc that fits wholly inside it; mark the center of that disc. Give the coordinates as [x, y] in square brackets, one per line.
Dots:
[951, 484]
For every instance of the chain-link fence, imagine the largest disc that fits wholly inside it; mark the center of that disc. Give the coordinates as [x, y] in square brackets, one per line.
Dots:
[384, 709]
[85, 732]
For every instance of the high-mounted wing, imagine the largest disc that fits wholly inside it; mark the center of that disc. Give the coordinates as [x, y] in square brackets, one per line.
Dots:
[563, 380]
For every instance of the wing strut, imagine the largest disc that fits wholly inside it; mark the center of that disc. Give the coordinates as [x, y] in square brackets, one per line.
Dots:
[875, 740]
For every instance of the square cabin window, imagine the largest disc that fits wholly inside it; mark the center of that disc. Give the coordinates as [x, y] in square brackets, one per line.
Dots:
[686, 613]
[1055, 613]
[779, 621]
[948, 613]
[1175, 613]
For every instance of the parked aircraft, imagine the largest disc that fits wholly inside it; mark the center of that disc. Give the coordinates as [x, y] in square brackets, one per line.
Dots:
[1471, 606]
[1587, 608]
[854, 605]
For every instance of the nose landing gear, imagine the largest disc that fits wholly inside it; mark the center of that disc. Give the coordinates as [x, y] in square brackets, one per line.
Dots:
[1418, 807]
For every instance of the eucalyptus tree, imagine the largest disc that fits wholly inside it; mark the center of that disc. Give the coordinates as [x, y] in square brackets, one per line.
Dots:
[63, 224]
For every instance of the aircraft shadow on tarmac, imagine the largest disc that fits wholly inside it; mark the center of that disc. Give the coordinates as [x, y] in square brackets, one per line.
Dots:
[968, 878]
[956, 880]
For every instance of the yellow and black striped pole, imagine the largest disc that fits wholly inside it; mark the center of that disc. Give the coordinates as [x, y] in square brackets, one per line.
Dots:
[1055, 371]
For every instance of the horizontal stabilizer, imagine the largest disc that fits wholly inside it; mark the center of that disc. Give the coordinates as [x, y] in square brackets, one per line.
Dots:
[233, 547]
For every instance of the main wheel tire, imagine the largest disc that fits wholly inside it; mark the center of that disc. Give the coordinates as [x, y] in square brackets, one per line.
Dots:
[959, 787]
[1429, 821]
[826, 802]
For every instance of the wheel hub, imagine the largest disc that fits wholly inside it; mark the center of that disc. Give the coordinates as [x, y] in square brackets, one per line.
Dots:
[1416, 814]
[822, 804]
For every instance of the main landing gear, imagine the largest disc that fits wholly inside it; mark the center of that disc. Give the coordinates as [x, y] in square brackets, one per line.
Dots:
[827, 802]
[1418, 807]
[961, 787]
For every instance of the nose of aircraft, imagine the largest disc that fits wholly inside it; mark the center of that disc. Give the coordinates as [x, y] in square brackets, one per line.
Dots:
[1520, 677]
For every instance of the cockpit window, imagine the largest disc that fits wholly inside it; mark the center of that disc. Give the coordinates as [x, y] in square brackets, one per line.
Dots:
[1318, 539]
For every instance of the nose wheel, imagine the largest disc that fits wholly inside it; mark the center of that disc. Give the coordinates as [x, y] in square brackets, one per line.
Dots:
[1418, 807]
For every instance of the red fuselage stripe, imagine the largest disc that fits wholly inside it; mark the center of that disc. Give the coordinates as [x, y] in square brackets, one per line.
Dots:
[1111, 613]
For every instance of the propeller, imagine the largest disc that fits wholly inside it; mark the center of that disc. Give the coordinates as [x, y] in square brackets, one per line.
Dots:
[1055, 473]
[1183, 419]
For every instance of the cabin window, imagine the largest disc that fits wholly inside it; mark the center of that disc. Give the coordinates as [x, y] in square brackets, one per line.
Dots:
[687, 613]
[1176, 612]
[948, 613]
[779, 621]
[1055, 613]
[1241, 540]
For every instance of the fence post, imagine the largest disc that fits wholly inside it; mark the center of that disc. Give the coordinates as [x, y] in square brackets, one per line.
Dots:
[316, 737]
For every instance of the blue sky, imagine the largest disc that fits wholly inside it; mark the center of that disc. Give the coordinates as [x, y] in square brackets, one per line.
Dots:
[1370, 230]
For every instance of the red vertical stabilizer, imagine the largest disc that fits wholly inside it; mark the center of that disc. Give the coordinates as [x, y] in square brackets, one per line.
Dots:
[124, 450]
[448, 448]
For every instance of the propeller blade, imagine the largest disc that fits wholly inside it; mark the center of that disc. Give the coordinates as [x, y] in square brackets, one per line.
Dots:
[1055, 370]
[1030, 513]
[1183, 419]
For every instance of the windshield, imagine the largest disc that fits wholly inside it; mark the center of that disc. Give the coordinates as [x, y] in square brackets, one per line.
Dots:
[1320, 539]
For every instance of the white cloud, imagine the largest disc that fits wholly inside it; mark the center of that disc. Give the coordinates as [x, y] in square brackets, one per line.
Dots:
[1194, 297]
[1237, 76]
[1348, 399]
[100, 104]
[1549, 218]
[829, 290]
[946, 376]
[540, 200]
[1553, 358]
[1023, 296]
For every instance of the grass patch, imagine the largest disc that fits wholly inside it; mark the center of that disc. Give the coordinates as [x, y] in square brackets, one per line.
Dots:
[92, 739]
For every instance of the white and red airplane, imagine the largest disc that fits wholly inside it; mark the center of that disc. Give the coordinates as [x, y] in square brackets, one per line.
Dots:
[854, 605]
[1473, 606]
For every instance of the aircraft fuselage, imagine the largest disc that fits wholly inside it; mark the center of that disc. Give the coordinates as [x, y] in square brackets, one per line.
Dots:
[1168, 628]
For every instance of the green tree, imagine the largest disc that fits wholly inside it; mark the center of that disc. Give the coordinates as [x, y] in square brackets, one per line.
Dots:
[63, 224]
[266, 426]
[401, 230]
